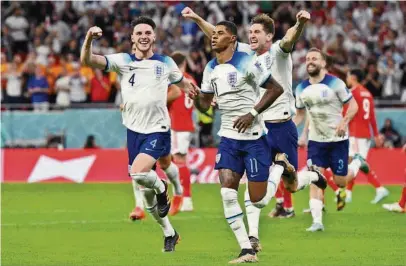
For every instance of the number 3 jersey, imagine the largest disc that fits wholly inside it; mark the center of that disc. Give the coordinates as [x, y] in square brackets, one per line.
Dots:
[144, 88]
[324, 102]
[236, 87]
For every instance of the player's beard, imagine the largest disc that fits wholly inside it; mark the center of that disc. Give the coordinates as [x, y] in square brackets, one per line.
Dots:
[315, 71]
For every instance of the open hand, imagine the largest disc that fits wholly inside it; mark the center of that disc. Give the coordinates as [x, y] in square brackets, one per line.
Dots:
[193, 91]
[243, 122]
[341, 129]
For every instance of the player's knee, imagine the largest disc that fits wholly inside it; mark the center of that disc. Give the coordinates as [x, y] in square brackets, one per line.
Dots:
[290, 188]
[139, 178]
[340, 181]
[261, 203]
[165, 162]
[229, 196]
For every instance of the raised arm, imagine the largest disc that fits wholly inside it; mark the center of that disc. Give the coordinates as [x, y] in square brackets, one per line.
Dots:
[87, 58]
[205, 26]
[293, 33]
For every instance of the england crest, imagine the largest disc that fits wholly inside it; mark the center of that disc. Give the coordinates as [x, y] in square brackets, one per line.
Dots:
[159, 71]
[232, 79]
[218, 157]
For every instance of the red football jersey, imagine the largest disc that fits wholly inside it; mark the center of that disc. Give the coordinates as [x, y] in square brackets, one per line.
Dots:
[360, 125]
[181, 111]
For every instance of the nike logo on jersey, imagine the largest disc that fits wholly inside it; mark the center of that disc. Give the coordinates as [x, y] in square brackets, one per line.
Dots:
[132, 68]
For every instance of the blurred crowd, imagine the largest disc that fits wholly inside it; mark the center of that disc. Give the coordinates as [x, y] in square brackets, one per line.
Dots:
[40, 44]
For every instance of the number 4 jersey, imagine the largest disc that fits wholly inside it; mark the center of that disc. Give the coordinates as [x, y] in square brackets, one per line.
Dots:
[236, 87]
[365, 118]
[144, 88]
[181, 111]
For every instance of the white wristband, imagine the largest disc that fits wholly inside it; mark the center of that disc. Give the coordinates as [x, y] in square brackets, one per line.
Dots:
[254, 112]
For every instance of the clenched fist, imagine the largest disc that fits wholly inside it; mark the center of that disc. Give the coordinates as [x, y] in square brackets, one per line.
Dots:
[187, 12]
[94, 32]
[302, 16]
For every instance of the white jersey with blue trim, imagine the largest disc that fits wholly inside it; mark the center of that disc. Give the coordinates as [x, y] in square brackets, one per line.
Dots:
[281, 66]
[144, 88]
[324, 102]
[236, 88]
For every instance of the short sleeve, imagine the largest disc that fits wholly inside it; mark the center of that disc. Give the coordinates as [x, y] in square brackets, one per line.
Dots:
[245, 48]
[114, 61]
[276, 48]
[206, 84]
[341, 90]
[298, 102]
[175, 75]
[261, 69]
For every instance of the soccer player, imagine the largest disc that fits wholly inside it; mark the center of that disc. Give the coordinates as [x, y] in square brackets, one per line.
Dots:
[233, 78]
[282, 133]
[171, 170]
[360, 133]
[182, 126]
[144, 81]
[323, 96]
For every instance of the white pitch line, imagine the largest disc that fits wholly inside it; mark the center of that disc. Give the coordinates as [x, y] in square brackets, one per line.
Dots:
[46, 223]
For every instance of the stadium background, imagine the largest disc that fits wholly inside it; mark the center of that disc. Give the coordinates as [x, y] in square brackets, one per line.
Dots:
[47, 36]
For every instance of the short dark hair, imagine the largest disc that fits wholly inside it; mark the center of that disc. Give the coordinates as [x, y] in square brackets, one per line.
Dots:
[230, 26]
[314, 49]
[143, 20]
[358, 73]
[266, 21]
[178, 57]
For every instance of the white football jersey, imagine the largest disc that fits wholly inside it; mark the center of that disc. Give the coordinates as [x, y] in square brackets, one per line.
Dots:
[324, 102]
[144, 88]
[281, 68]
[236, 88]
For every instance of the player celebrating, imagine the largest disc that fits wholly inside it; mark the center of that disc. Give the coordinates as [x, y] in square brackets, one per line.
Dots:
[181, 113]
[144, 81]
[165, 162]
[232, 77]
[282, 135]
[360, 134]
[399, 206]
[323, 96]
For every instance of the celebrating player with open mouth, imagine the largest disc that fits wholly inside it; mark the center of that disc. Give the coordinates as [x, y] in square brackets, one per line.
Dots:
[144, 84]
[282, 134]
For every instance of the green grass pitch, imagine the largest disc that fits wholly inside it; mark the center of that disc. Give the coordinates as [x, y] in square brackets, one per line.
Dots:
[86, 224]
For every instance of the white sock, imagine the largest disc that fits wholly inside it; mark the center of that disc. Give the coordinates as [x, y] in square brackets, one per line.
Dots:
[275, 174]
[149, 180]
[137, 195]
[253, 214]
[305, 178]
[354, 166]
[172, 172]
[234, 216]
[151, 207]
[316, 207]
